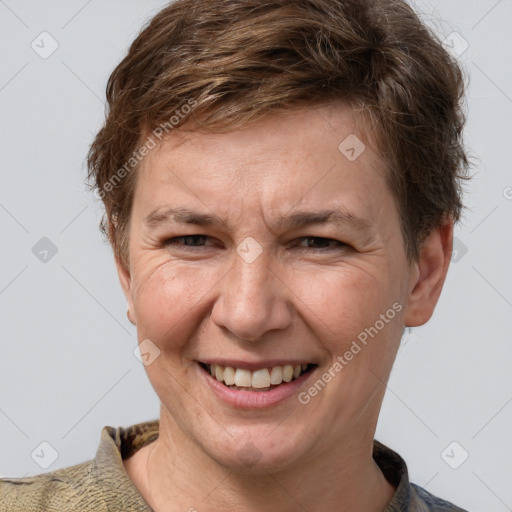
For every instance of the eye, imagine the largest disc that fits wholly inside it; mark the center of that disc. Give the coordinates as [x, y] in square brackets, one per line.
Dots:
[187, 242]
[195, 242]
[317, 242]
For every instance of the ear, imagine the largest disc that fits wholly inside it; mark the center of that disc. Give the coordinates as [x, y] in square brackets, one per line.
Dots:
[126, 285]
[430, 274]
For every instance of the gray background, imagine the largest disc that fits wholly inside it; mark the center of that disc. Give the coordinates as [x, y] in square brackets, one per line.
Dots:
[67, 366]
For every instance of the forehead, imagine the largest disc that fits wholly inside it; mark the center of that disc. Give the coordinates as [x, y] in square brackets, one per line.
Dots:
[313, 156]
[308, 131]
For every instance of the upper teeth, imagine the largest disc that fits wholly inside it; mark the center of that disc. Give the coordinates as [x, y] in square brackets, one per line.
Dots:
[258, 378]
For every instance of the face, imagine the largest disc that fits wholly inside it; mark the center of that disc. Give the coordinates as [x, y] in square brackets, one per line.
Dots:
[259, 250]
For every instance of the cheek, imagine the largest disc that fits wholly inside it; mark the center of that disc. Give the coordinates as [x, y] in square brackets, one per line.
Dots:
[356, 315]
[337, 304]
[167, 300]
[341, 303]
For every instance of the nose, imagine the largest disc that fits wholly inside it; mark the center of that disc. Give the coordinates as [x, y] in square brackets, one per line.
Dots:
[252, 300]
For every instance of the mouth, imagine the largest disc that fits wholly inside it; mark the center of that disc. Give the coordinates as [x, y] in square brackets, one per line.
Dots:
[263, 379]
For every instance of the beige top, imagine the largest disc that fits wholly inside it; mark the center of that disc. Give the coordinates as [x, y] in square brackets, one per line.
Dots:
[102, 484]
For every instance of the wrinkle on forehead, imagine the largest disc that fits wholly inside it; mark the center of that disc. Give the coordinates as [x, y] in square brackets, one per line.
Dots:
[266, 168]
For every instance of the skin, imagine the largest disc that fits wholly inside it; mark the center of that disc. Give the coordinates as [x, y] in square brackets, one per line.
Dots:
[300, 299]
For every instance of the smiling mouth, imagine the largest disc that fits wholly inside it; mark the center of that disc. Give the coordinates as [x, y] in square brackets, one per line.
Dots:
[264, 379]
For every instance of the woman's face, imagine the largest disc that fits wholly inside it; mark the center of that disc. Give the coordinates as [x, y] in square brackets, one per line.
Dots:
[271, 246]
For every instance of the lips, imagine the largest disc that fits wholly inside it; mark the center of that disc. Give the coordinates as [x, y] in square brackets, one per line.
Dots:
[247, 397]
[263, 378]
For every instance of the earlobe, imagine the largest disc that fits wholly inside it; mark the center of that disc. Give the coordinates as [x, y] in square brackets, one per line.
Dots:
[125, 280]
[432, 267]
[129, 315]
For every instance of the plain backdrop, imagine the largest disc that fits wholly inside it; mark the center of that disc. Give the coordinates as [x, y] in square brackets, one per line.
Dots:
[67, 363]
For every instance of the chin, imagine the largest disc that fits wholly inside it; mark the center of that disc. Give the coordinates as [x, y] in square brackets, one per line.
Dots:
[257, 449]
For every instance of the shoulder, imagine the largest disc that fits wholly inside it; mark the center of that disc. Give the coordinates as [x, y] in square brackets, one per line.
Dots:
[408, 497]
[98, 485]
[59, 490]
[423, 501]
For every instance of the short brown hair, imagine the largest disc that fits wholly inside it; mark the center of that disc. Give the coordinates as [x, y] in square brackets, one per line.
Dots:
[239, 60]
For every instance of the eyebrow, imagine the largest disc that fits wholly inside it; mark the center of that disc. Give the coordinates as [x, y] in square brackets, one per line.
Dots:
[298, 219]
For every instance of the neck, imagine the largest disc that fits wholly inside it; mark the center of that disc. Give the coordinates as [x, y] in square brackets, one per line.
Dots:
[173, 475]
